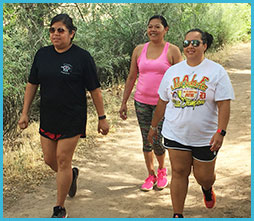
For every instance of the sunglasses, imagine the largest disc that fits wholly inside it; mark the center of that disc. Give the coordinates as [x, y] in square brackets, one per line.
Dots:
[59, 30]
[195, 43]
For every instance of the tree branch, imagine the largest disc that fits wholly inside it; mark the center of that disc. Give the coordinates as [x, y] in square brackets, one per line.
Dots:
[76, 4]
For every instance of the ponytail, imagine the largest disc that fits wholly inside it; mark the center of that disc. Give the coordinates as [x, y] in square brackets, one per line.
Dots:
[205, 36]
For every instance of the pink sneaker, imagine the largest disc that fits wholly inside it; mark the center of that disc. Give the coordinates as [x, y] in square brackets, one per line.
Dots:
[162, 178]
[150, 181]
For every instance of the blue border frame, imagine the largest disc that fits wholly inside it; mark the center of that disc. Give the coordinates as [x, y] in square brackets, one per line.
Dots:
[1, 105]
[126, 1]
[252, 115]
[112, 1]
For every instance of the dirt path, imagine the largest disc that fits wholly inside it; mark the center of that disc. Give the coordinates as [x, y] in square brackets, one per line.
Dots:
[112, 174]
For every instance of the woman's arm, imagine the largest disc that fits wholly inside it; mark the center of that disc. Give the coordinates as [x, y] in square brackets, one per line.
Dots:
[223, 119]
[130, 82]
[103, 126]
[157, 117]
[28, 99]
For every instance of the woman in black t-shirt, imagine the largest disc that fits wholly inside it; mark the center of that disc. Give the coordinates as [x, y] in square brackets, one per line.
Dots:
[64, 72]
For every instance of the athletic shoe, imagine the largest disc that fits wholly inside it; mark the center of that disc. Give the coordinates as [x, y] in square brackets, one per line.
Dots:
[59, 212]
[73, 188]
[177, 215]
[209, 198]
[162, 180]
[150, 181]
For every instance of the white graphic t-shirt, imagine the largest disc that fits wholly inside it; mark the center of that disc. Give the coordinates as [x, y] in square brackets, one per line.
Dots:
[191, 116]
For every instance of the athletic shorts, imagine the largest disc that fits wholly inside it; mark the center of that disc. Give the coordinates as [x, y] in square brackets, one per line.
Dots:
[144, 114]
[55, 137]
[198, 153]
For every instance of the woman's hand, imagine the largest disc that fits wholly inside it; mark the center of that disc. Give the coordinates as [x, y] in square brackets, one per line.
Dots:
[28, 99]
[23, 121]
[216, 142]
[103, 127]
[123, 111]
[152, 134]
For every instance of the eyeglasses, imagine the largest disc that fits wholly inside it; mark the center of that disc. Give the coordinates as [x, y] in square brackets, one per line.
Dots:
[195, 43]
[59, 30]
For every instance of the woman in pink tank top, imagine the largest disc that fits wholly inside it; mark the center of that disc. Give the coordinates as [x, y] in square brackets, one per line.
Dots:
[149, 63]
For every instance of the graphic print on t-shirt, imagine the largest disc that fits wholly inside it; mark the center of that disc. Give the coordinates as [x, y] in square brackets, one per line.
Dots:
[66, 69]
[189, 92]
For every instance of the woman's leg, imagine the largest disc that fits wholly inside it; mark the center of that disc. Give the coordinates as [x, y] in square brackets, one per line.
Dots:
[65, 150]
[181, 162]
[149, 162]
[49, 152]
[144, 116]
[159, 150]
[205, 176]
[204, 173]
[161, 160]
[158, 147]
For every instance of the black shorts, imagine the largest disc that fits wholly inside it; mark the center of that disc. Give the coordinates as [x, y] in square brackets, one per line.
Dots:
[55, 137]
[198, 153]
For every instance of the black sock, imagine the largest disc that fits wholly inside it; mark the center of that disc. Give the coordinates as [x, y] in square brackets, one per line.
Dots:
[208, 195]
[178, 215]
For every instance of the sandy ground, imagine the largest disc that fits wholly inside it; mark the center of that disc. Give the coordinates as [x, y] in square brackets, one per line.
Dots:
[111, 173]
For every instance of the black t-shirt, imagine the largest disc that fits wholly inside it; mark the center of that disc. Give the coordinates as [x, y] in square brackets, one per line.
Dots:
[63, 78]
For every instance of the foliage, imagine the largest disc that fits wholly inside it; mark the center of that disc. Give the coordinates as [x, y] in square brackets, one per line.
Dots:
[23, 33]
[110, 32]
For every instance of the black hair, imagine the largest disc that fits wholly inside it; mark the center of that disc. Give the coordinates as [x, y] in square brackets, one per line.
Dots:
[67, 20]
[205, 36]
[163, 20]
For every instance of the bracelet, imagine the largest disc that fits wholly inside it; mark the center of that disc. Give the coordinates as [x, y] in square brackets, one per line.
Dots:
[153, 128]
[102, 117]
[221, 132]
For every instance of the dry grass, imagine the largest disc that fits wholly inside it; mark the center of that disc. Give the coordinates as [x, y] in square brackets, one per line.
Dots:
[220, 56]
[23, 165]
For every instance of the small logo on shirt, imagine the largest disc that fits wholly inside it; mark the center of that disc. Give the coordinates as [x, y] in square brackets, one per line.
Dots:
[66, 69]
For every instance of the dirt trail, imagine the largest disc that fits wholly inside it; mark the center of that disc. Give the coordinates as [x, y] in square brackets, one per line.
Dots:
[110, 177]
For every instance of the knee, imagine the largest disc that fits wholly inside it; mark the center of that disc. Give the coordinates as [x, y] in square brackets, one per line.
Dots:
[51, 162]
[63, 162]
[158, 150]
[205, 180]
[147, 148]
[180, 172]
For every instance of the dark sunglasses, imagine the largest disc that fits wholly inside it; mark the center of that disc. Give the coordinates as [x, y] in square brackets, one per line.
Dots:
[59, 30]
[195, 43]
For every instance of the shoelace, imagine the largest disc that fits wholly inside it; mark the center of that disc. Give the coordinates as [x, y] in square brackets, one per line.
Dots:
[161, 174]
[150, 178]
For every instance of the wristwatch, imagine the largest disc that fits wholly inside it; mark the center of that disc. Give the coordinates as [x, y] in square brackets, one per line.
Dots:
[153, 128]
[102, 117]
[221, 132]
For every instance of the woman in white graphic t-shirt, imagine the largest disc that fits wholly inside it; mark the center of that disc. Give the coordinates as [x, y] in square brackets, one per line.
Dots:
[195, 97]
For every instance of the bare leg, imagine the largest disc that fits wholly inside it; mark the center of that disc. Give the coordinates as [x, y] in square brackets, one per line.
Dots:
[49, 152]
[65, 150]
[149, 162]
[204, 173]
[181, 162]
[161, 160]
